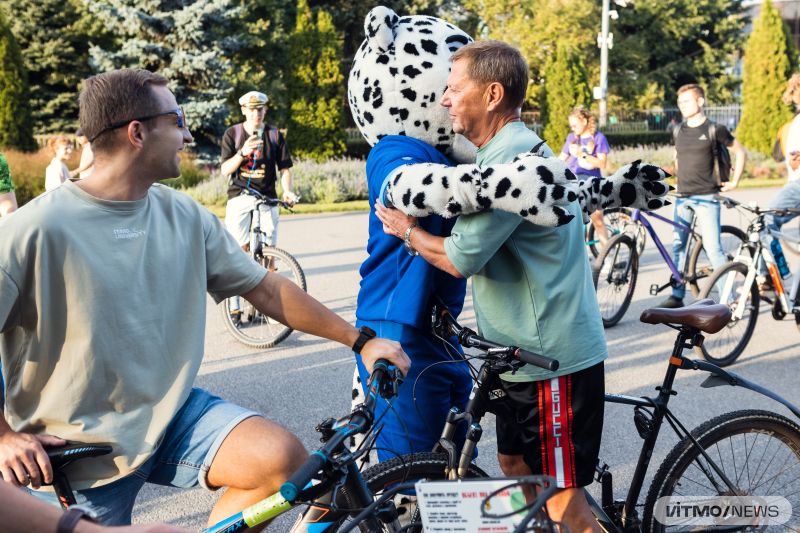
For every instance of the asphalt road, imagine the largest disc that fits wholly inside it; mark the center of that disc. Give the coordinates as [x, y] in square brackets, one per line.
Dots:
[306, 379]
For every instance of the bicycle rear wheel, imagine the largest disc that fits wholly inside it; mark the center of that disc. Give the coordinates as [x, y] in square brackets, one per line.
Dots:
[791, 228]
[252, 327]
[614, 275]
[700, 268]
[758, 451]
[724, 347]
[617, 220]
[427, 466]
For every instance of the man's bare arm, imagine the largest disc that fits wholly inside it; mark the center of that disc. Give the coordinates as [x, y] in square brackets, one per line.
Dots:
[281, 299]
[8, 203]
[431, 248]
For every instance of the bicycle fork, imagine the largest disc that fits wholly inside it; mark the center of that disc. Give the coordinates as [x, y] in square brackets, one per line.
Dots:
[477, 406]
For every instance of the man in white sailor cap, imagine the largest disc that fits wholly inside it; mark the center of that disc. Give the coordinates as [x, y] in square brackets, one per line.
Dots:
[251, 151]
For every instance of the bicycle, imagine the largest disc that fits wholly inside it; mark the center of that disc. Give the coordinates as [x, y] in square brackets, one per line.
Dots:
[616, 270]
[617, 220]
[330, 483]
[249, 326]
[729, 285]
[674, 477]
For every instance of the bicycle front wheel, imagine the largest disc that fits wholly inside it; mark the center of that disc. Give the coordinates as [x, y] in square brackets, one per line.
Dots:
[427, 466]
[251, 327]
[758, 451]
[700, 268]
[724, 347]
[614, 275]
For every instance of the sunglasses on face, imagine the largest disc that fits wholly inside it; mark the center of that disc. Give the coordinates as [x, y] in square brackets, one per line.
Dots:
[181, 122]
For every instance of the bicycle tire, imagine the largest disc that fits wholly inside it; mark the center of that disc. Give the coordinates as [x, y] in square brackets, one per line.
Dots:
[734, 426]
[789, 246]
[615, 227]
[738, 235]
[256, 330]
[715, 348]
[621, 277]
[428, 465]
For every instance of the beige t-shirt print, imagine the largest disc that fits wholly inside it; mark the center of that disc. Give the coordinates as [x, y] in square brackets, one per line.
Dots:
[91, 347]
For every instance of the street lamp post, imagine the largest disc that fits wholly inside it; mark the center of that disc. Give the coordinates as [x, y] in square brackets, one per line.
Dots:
[604, 65]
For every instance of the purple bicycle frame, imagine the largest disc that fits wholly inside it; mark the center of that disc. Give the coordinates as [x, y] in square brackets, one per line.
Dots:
[637, 216]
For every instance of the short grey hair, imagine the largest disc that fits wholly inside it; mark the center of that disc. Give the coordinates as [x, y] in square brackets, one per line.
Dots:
[493, 61]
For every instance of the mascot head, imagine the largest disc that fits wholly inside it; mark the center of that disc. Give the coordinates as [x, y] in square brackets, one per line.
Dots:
[398, 77]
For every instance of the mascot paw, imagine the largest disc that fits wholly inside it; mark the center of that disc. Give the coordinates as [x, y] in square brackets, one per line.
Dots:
[635, 185]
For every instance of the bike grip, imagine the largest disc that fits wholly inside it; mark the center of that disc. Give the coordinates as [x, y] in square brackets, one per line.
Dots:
[536, 360]
[302, 476]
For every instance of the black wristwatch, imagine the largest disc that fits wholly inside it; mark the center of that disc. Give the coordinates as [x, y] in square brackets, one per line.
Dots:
[71, 517]
[366, 334]
[239, 151]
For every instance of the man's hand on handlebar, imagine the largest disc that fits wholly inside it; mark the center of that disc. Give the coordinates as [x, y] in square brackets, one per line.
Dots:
[23, 460]
[290, 198]
[378, 348]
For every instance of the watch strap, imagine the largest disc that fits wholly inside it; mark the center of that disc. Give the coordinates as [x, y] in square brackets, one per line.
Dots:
[365, 335]
[70, 518]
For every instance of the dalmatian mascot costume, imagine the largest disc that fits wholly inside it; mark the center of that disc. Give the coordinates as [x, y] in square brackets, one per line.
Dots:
[420, 166]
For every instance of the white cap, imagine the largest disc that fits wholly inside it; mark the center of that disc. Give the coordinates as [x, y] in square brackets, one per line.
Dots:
[253, 99]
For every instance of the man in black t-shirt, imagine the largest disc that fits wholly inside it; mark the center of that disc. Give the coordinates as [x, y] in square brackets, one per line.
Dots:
[252, 160]
[698, 182]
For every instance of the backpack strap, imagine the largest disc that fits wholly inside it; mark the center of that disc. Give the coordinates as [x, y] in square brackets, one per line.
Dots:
[675, 131]
[712, 137]
[238, 132]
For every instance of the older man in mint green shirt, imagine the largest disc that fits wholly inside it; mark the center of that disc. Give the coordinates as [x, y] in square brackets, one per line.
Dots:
[531, 288]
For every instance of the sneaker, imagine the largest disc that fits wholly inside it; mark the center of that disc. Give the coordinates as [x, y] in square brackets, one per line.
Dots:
[673, 302]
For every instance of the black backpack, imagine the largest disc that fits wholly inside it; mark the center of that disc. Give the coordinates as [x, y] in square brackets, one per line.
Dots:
[722, 157]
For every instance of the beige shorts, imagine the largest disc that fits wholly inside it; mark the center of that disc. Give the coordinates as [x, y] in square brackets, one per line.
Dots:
[238, 218]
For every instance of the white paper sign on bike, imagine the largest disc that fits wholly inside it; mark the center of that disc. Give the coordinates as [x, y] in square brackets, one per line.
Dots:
[448, 506]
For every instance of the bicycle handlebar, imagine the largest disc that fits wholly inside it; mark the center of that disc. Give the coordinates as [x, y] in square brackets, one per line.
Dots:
[730, 203]
[268, 201]
[359, 422]
[467, 337]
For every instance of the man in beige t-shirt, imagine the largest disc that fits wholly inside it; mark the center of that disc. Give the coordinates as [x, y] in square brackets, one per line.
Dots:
[102, 321]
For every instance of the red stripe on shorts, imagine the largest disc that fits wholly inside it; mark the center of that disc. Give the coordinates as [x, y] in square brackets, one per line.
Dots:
[557, 436]
[542, 432]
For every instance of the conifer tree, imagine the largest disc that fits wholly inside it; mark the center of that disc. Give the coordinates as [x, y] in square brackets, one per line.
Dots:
[16, 125]
[186, 41]
[566, 87]
[316, 124]
[54, 38]
[767, 66]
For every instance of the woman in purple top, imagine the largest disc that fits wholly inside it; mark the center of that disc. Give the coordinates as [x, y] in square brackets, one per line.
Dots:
[587, 151]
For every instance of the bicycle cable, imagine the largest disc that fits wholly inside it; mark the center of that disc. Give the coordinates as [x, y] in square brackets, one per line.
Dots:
[410, 444]
[414, 391]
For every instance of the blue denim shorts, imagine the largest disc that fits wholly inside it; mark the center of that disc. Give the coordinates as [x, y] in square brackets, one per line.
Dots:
[183, 459]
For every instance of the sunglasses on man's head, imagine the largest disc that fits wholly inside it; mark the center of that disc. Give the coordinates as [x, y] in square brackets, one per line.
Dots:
[181, 122]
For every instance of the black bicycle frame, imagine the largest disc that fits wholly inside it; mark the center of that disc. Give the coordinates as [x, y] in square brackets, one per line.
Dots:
[625, 518]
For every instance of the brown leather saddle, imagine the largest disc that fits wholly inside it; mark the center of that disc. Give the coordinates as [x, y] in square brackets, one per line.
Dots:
[705, 315]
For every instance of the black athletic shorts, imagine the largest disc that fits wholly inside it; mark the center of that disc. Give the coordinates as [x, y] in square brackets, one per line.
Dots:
[565, 442]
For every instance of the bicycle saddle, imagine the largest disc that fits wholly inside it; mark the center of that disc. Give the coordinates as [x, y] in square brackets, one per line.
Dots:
[61, 456]
[705, 315]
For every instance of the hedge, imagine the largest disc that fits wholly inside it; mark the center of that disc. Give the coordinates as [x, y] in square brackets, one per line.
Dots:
[359, 148]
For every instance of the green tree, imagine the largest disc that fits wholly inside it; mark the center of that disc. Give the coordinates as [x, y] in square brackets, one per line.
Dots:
[261, 63]
[16, 126]
[54, 36]
[189, 42]
[316, 123]
[566, 87]
[660, 45]
[767, 66]
[537, 27]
